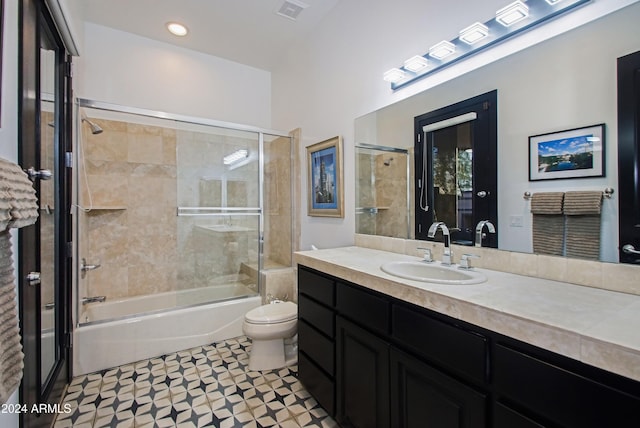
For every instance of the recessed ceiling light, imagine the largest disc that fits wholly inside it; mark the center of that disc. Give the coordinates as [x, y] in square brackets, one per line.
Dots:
[515, 12]
[442, 49]
[474, 33]
[177, 29]
[394, 75]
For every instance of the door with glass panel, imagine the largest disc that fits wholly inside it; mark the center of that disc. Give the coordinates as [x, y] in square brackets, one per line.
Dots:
[44, 262]
[456, 169]
[629, 157]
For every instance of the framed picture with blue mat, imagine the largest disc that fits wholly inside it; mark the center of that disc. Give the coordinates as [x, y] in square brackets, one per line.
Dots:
[324, 183]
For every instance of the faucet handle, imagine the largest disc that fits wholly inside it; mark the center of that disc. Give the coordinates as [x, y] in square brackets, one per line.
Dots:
[427, 257]
[465, 263]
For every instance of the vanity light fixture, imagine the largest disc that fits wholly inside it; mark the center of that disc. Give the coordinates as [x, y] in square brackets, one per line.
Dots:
[236, 156]
[177, 29]
[394, 75]
[415, 63]
[442, 50]
[509, 21]
[515, 12]
[474, 33]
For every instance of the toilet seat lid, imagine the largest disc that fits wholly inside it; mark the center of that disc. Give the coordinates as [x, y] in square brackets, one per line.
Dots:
[272, 313]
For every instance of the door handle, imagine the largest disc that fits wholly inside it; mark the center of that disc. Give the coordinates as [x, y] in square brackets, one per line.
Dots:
[43, 174]
[33, 278]
[482, 194]
[629, 249]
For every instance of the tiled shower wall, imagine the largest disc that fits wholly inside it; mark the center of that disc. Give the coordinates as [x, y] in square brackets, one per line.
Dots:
[131, 226]
[139, 174]
[387, 192]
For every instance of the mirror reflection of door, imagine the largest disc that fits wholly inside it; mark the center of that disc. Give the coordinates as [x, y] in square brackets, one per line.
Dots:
[456, 169]
[629, 157]
[452, 175]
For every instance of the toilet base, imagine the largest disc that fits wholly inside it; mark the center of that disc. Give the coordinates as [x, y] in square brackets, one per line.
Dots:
[271, 355]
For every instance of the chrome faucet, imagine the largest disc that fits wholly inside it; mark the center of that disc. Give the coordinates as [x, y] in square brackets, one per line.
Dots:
[446, 254]
[93, 299]
[480, 227]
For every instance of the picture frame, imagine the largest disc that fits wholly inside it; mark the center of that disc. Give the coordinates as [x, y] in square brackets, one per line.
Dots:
[573, 153]
[325, 182]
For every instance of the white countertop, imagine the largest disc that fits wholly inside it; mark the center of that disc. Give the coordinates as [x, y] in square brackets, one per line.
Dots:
[597, 327]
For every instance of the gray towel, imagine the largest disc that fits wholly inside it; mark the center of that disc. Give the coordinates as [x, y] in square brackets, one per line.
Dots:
[548, 223]
[18, 203]
[10, 347]
[18, 208]
[583, 224]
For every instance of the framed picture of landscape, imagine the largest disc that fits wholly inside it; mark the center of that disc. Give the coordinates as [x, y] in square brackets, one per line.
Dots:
[574, 153]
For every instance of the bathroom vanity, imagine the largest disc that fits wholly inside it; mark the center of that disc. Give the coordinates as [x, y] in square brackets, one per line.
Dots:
[378, 351]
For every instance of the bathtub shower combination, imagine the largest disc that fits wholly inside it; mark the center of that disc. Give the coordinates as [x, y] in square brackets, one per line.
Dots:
[178, 221]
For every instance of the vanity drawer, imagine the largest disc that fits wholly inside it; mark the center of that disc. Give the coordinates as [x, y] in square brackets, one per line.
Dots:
[316, 346]
[317, 383]
[317, 315]
[316, 286]
[448, 346]
[363, 307]
[567, 398]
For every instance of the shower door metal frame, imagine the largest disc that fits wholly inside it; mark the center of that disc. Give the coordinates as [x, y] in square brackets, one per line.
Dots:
[191, 211]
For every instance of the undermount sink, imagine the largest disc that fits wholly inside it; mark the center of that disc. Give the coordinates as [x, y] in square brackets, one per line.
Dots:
[431, 272]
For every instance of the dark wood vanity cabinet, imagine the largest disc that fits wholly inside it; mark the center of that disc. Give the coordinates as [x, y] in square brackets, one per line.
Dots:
[316, 336]
[374, 361]
[362, 382]
[379, 380]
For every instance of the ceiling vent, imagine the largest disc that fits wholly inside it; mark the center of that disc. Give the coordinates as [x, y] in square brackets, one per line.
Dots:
[291, 9]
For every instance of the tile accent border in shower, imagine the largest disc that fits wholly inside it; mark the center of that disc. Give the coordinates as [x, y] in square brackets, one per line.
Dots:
[207, 386]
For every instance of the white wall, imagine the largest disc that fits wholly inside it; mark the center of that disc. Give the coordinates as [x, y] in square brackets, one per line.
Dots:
[9, 126]
[336, 76]
[126, 69]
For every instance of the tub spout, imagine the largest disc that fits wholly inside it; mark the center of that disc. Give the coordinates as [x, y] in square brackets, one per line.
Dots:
[93, 299]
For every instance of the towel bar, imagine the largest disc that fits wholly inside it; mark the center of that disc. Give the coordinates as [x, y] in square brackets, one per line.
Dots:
[607, 193]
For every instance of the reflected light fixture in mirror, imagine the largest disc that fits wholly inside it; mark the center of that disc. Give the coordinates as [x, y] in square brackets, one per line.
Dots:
[177, 29]
[510, 20]
[236, 156]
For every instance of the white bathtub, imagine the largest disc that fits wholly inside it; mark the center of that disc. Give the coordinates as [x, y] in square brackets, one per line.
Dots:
[102, 345]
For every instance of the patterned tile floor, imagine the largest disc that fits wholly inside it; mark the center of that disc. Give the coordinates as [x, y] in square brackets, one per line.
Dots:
[208, 386]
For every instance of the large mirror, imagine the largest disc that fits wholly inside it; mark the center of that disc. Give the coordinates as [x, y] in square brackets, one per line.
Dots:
[564, 83]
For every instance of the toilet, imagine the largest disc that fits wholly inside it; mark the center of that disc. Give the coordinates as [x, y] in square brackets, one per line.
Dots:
[272, 329]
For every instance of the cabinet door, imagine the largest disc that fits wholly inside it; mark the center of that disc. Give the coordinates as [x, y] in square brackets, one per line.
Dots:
[505, 417]
[422, 396]
[362, 377]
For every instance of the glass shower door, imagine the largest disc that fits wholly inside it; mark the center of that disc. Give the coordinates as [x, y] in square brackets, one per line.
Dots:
[219, 214]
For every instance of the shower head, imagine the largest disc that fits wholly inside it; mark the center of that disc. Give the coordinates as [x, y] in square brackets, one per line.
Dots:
[388, 162]
[95, 129]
